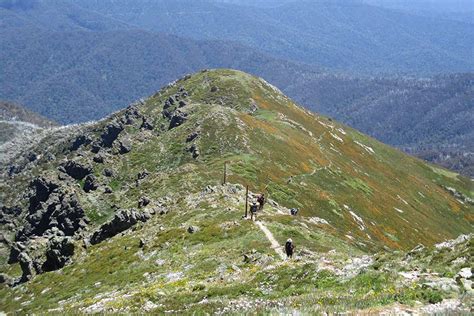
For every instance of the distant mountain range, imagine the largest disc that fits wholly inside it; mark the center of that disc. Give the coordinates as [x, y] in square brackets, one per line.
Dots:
[76, 63]
[343, 35]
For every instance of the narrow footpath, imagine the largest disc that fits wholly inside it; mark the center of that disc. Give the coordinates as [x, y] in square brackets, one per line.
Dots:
[275, 244]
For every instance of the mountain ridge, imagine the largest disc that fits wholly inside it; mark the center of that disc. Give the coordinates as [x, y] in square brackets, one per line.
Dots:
[151, 227]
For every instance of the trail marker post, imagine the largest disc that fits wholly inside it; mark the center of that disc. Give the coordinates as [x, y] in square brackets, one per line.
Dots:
[246, 201]
[225, 172]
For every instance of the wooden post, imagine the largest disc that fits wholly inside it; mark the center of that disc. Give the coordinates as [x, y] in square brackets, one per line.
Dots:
[246, 201]
[225, 172]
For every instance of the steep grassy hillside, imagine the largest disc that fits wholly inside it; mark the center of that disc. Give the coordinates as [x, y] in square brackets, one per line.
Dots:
[165, 157]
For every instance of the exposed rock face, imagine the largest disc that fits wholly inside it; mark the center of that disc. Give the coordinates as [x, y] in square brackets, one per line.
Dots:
[41, 189]
[9, 214]
[108, 172]
[26, 264]
[192, 136]
[99, 158]
[111, 133]
[58, 254]
[146, 124]
[177, 119]
[81, 140]
[50, 207]
[125, 146]
[91, 183]
[76, 170]
[131, 115]
[15, 251]
[459, 195]
[194, 150]
[143, 201]
[122, 221]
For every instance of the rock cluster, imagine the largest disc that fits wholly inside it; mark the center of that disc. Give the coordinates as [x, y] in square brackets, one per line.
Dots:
[75, 169]
[122, 221]
[172, 109]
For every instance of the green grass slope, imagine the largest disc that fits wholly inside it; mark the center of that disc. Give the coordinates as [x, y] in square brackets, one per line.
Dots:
[356, 196]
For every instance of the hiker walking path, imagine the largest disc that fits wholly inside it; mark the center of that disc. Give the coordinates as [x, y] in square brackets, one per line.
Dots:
[275, 244]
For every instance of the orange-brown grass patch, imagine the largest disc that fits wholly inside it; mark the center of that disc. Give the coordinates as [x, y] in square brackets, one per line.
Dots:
[254, 123]
[262, 103]
[469, 217]
[378, 233]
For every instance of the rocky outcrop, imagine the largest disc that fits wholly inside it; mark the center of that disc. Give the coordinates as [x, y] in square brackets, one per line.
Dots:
[111, 133]
[108, 172]
[125, 146]
[81, 140]
[49, 208]
[194, 150]
[177, 119]
[9, 214]
[192, 136]
[75, 169]
[193, 229]
[143, 201]
[131, 115]
[122, 221]
[59, 252]
[91, 183]
[27, 267]
[99, 158]
[146, 124]
[40, 190]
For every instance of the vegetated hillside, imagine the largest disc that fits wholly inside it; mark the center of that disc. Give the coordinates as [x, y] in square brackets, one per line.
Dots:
[18, 123]
[158, 166]
[343, 35]
[399, 111]
[55, 15]
[14, 112]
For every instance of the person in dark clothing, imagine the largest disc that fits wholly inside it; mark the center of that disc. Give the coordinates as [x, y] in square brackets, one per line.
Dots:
[253, 211]
[261, 201]
[289, 248]
[294, 211]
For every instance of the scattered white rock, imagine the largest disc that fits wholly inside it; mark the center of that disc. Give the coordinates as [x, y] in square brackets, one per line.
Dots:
[318, 221]
[149, 306]
[454, 242]
[174, 276]
[367, 148]
[336, 137]
[359, 220]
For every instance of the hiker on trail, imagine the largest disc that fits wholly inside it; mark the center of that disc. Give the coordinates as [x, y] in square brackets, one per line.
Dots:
[253, 211]
[294, 211]
[289, 248]
[261, 201]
